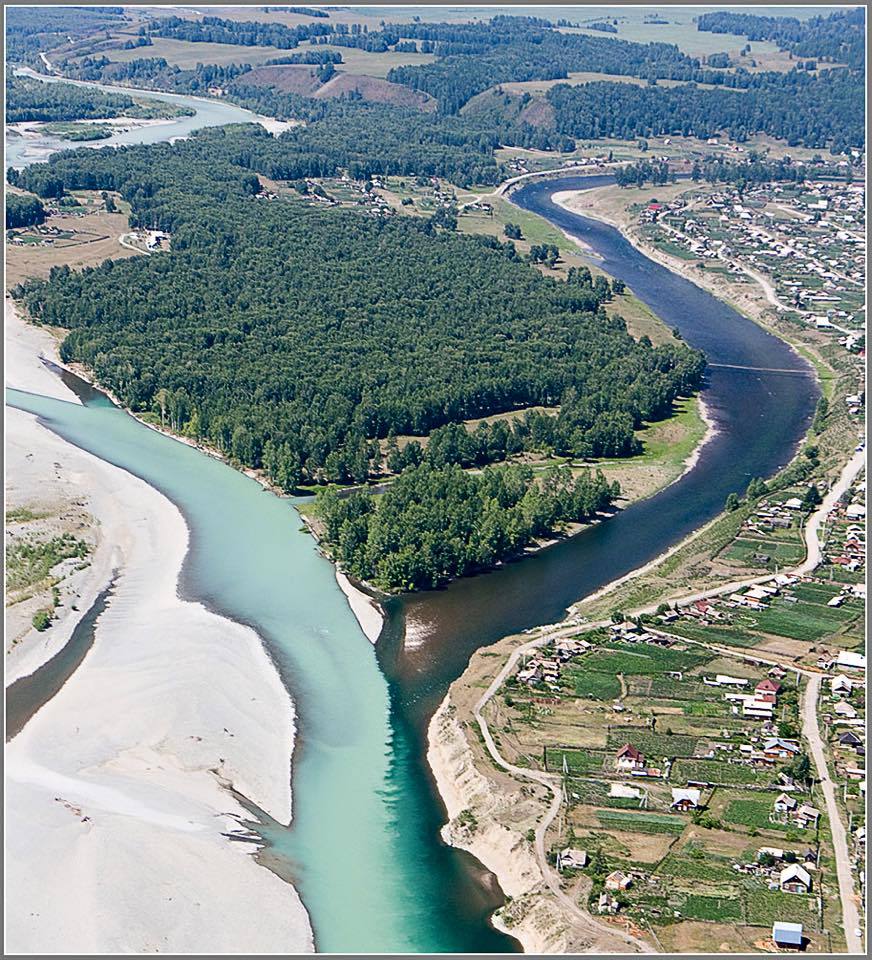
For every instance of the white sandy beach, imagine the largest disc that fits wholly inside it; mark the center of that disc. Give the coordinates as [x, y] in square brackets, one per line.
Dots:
[368, 612]
[116, 799]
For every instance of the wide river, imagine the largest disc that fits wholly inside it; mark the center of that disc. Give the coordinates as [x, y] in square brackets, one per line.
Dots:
[364, 847]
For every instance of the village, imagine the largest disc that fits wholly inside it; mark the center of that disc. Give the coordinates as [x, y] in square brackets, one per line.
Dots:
[690, 799]
[804, 241]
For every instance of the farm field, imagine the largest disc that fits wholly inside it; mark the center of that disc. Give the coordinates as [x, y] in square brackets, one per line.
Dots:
[691, 873]
[81, 236]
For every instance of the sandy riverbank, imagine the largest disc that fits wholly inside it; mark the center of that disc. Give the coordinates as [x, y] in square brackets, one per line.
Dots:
[367, 610]
[116, 801]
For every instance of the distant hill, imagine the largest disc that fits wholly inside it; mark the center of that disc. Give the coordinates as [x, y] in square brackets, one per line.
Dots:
[302, 79]
[497, 106]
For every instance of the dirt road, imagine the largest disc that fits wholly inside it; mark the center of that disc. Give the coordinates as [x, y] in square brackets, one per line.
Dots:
[850, 912]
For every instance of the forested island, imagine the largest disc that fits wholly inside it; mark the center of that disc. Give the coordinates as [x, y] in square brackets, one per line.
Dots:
[33, 100]
[294, 339]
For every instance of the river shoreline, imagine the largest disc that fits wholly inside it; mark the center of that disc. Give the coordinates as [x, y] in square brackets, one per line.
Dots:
[128, 765]
[447, 739]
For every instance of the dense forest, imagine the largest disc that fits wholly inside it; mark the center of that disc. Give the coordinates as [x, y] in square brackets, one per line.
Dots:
[361, 138]
[839, 37]
[292, 338]
[817, 112]
[436, 523]
[23, 211]
[247, 33]
[33, 100]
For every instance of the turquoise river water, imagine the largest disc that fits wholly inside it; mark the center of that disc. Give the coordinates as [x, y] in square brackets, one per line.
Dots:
[370, 876]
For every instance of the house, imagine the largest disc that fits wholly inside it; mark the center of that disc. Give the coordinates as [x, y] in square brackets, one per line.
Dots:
[618, 881]
[775, 748]
[570, 859]
[787, 935]
[842, 684]
[851, 741]
[784, 803]
[684, 800]
[807, 816]
[629, 758]
[854, 661]
[845, 710]
[794, 879]
[794, 503]
[607, 904]
[767, 686]
[762, 707]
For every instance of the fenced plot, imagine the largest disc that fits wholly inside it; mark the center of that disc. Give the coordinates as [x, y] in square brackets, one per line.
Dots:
[578, 762]
[653, 744]
[641, 822]
[699, 906]
[720, 772]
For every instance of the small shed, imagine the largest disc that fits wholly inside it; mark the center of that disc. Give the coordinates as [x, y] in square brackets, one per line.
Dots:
[787, 934]
[618, 881]
[685, 800]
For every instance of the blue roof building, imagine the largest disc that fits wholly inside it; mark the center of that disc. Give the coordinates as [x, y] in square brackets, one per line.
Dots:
[787, 934]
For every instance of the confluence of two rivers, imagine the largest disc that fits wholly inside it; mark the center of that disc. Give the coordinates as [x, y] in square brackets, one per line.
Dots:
[364, 849]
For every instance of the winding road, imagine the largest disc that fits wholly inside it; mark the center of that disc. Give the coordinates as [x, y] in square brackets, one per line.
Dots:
[555, 785]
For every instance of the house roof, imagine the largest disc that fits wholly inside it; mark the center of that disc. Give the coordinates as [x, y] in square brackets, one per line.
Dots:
[786, 800]
[768, 686]
[776, 743]
[795, 872]
[847, 658]
[790, 933]
[630, 752]
[679, 795]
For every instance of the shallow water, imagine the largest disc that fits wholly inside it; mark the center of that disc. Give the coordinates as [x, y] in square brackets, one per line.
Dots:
[21, 151]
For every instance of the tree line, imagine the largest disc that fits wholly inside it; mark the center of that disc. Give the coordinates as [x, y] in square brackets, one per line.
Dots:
[23, 211]
[35, 100]
[818, 112]
[838, 37]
